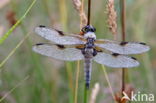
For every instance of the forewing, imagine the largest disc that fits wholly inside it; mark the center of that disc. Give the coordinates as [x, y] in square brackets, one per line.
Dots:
[123, 47]
[58, 37]
[58, 52]
[116, 60]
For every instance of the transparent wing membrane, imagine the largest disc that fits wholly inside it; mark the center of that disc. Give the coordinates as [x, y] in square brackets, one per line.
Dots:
[116, 60]
[59, 52]
[58, 37]
[69, 48]
[123, 47]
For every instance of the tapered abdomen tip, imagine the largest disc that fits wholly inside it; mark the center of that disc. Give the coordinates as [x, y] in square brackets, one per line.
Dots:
[87, 85]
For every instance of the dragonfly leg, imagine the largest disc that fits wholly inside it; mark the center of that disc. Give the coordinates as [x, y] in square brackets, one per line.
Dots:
[94, 52]
[83, 51]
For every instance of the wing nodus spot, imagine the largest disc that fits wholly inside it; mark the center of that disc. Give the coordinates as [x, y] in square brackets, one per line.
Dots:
[115, 54]
[133, 58]
[39, 44]
[42, 26]
[123, 43]
[60, 46]
[142, 43]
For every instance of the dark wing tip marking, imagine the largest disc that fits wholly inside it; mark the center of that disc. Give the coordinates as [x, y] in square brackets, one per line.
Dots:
[142, 43]
[42, 26]
[39, 44]
[133, 58]
[123, 43]
[60, 46]
[87, 85]
[115, 54]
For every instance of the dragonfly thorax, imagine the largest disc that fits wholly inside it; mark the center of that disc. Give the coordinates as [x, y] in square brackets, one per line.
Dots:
[89, 50]
[90, 43]
[88, 53]
[90, 35]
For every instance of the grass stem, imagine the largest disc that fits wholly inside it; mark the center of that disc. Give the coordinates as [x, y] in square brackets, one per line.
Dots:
[77, 80]
[86, 94]
[13, 51]
[20, 83]
[109, 84]
[89, 11]
[5, 36]
[123, 28]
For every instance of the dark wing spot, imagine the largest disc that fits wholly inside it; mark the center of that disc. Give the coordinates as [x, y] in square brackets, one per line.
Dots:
[42, 26]
[133, 58]
[115, 54]
[142, 43]
[60, 46]
[60, 32]
[40, 44]
[123, 43]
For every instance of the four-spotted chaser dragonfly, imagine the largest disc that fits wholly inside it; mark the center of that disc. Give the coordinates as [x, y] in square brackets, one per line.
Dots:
[86, 47]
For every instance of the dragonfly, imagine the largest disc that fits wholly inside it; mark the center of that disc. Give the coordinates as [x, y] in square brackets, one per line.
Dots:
[85, 46]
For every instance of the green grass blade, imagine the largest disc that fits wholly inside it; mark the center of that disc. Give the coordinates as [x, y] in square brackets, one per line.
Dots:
[70, 81]
[20, 83]
[86, 90]
[13, 51]
[107, 79]
[5, 36]
[77, 81]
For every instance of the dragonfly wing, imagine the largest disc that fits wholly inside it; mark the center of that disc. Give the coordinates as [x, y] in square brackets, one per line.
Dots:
[124, 47]
[57, 36]
[59, 52]
[116, 60]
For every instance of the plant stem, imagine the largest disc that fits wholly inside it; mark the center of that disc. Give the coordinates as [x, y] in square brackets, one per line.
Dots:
[77, 80]
[86, 94]
[16, 86]
[89, 10]
[70, 81]
[123, 26]
[46, 7]
[107, 79]
[6, 35]
[123, 80]
[123, 19]
[13, 51]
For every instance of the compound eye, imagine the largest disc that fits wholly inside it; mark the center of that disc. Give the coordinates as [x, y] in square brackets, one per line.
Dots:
[93, 30]
[84, 29]
[88, 28]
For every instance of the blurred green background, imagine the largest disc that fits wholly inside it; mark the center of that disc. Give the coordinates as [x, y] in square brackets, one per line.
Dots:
[53, 81]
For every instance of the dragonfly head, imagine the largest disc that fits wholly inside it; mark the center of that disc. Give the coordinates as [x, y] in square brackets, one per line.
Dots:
[88, 28]
[89, 31]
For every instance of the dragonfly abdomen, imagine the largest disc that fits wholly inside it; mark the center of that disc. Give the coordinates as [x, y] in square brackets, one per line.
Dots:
[87, 71]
